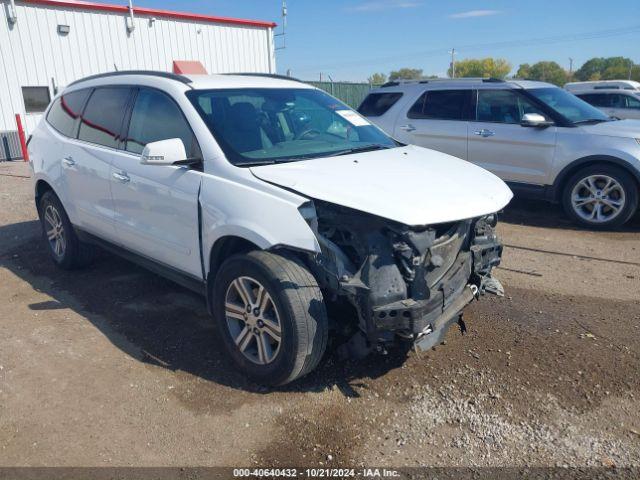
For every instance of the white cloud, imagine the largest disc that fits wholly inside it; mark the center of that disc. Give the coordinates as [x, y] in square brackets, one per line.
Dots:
[377, 5]
[475, 13]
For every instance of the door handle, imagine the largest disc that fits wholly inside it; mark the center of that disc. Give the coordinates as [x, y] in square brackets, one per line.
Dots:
[68, 161]
[484, 133]
[407, 128]
[121, 177]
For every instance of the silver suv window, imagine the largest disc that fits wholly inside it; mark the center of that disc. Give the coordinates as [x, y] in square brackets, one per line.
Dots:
[503, 106]
[441, 105]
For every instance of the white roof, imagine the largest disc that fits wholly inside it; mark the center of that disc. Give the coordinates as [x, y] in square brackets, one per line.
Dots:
[603, 85]
[202, 82]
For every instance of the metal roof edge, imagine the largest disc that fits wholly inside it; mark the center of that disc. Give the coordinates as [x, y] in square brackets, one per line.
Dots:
[83, 5]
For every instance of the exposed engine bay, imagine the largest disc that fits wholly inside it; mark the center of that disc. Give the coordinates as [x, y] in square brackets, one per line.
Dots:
[408, 282]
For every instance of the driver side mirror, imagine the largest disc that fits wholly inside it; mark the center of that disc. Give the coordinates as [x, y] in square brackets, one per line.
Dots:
[535, 120]
[166, 152]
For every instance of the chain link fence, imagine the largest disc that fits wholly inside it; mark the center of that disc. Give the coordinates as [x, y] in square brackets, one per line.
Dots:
[350, 93]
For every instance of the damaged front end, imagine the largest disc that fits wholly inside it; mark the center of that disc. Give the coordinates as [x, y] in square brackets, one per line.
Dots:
[411, 282]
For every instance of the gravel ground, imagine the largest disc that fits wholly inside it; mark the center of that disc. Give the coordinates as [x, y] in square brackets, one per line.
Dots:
[115, 366]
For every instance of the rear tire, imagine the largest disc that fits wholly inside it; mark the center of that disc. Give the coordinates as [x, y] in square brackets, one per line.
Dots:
[66, 250]
[271, 316]
[600, 196]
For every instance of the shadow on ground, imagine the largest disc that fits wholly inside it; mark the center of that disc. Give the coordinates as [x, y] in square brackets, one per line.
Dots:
[538, 213]
[157, 321]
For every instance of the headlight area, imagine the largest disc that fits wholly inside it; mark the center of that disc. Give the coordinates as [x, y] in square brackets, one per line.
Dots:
[401, 281]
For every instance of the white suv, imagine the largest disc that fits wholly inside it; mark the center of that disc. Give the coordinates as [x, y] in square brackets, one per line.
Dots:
[272, 199]
[542, 140]
[616, 98]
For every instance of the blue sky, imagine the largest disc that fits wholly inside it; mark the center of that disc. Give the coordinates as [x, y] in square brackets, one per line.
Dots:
[350, 39]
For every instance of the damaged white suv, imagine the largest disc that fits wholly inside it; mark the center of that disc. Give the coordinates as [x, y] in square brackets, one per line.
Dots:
[275, 201]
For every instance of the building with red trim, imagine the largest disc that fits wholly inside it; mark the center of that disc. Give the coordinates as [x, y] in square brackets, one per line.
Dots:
[46, 44]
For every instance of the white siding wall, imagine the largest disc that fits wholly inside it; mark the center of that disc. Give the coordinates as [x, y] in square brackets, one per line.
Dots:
[32, 53]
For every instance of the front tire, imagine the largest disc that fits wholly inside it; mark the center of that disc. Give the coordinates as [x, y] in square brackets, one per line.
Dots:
[600, 196]
[65, 248]
[271, 316]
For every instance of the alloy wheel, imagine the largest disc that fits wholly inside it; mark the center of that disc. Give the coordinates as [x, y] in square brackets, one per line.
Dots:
[55, 231]
[598, 198]
[253, 320]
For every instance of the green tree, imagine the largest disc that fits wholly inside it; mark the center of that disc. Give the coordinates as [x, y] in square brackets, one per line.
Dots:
[406, 74]
[617, 68]
[482, 67]
[524, 71]
[611, 68]
[377, 79]
[544, 71]
[590, 70]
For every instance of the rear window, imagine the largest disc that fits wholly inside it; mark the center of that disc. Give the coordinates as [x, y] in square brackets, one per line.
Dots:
[65, 112]
[377, 104]
[441, 105]
[102, 118]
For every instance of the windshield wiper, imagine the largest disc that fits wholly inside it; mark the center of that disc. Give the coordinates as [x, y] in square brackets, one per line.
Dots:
[257, 163]
[364, 148]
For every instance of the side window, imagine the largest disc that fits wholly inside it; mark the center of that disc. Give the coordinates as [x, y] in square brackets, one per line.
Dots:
[617, 100]
[66, 110]
[596, 99]
[102, 118]
[416, 109]
[156, 117]
[632, 102]
[503, 106]
[441, 105]
[377, 104]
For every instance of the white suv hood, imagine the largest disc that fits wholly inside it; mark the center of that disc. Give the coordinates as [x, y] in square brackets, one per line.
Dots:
[410, 185]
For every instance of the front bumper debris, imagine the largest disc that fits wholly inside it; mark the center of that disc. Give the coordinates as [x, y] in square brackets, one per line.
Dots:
[408, 282]
[450, 315]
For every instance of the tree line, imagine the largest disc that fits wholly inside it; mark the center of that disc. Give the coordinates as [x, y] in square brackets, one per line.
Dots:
[600, 68]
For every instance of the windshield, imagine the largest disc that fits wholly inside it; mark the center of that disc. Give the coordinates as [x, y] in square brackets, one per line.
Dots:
[568, 105]
[269, 125]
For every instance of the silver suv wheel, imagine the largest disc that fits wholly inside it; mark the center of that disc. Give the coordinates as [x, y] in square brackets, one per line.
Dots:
[253, 320]
[598, 198]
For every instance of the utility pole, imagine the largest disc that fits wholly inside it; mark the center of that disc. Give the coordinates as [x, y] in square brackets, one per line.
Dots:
[453, 63]
[283, 34]
[570, 68]
[630, 69]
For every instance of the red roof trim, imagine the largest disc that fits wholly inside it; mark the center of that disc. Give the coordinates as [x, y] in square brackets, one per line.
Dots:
[151, 12]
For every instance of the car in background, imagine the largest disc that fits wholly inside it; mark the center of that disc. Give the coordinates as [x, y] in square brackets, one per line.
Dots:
[616, 98]
[274, 200]
[542, 140]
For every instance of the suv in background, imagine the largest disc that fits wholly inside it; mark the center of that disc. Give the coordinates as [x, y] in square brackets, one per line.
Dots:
[543, 141]
[616, 98]
[274, 200]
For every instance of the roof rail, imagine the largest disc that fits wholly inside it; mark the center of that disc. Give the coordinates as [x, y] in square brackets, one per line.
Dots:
[395, 83]
[267, 75]
[155, 73]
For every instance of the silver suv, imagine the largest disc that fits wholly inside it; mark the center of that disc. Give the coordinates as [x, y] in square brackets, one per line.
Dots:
[542, 140]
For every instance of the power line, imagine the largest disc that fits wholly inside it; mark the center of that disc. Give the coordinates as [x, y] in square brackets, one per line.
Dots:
[550, 40]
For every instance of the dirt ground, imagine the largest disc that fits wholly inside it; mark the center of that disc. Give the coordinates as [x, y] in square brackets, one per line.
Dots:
[114, 366]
